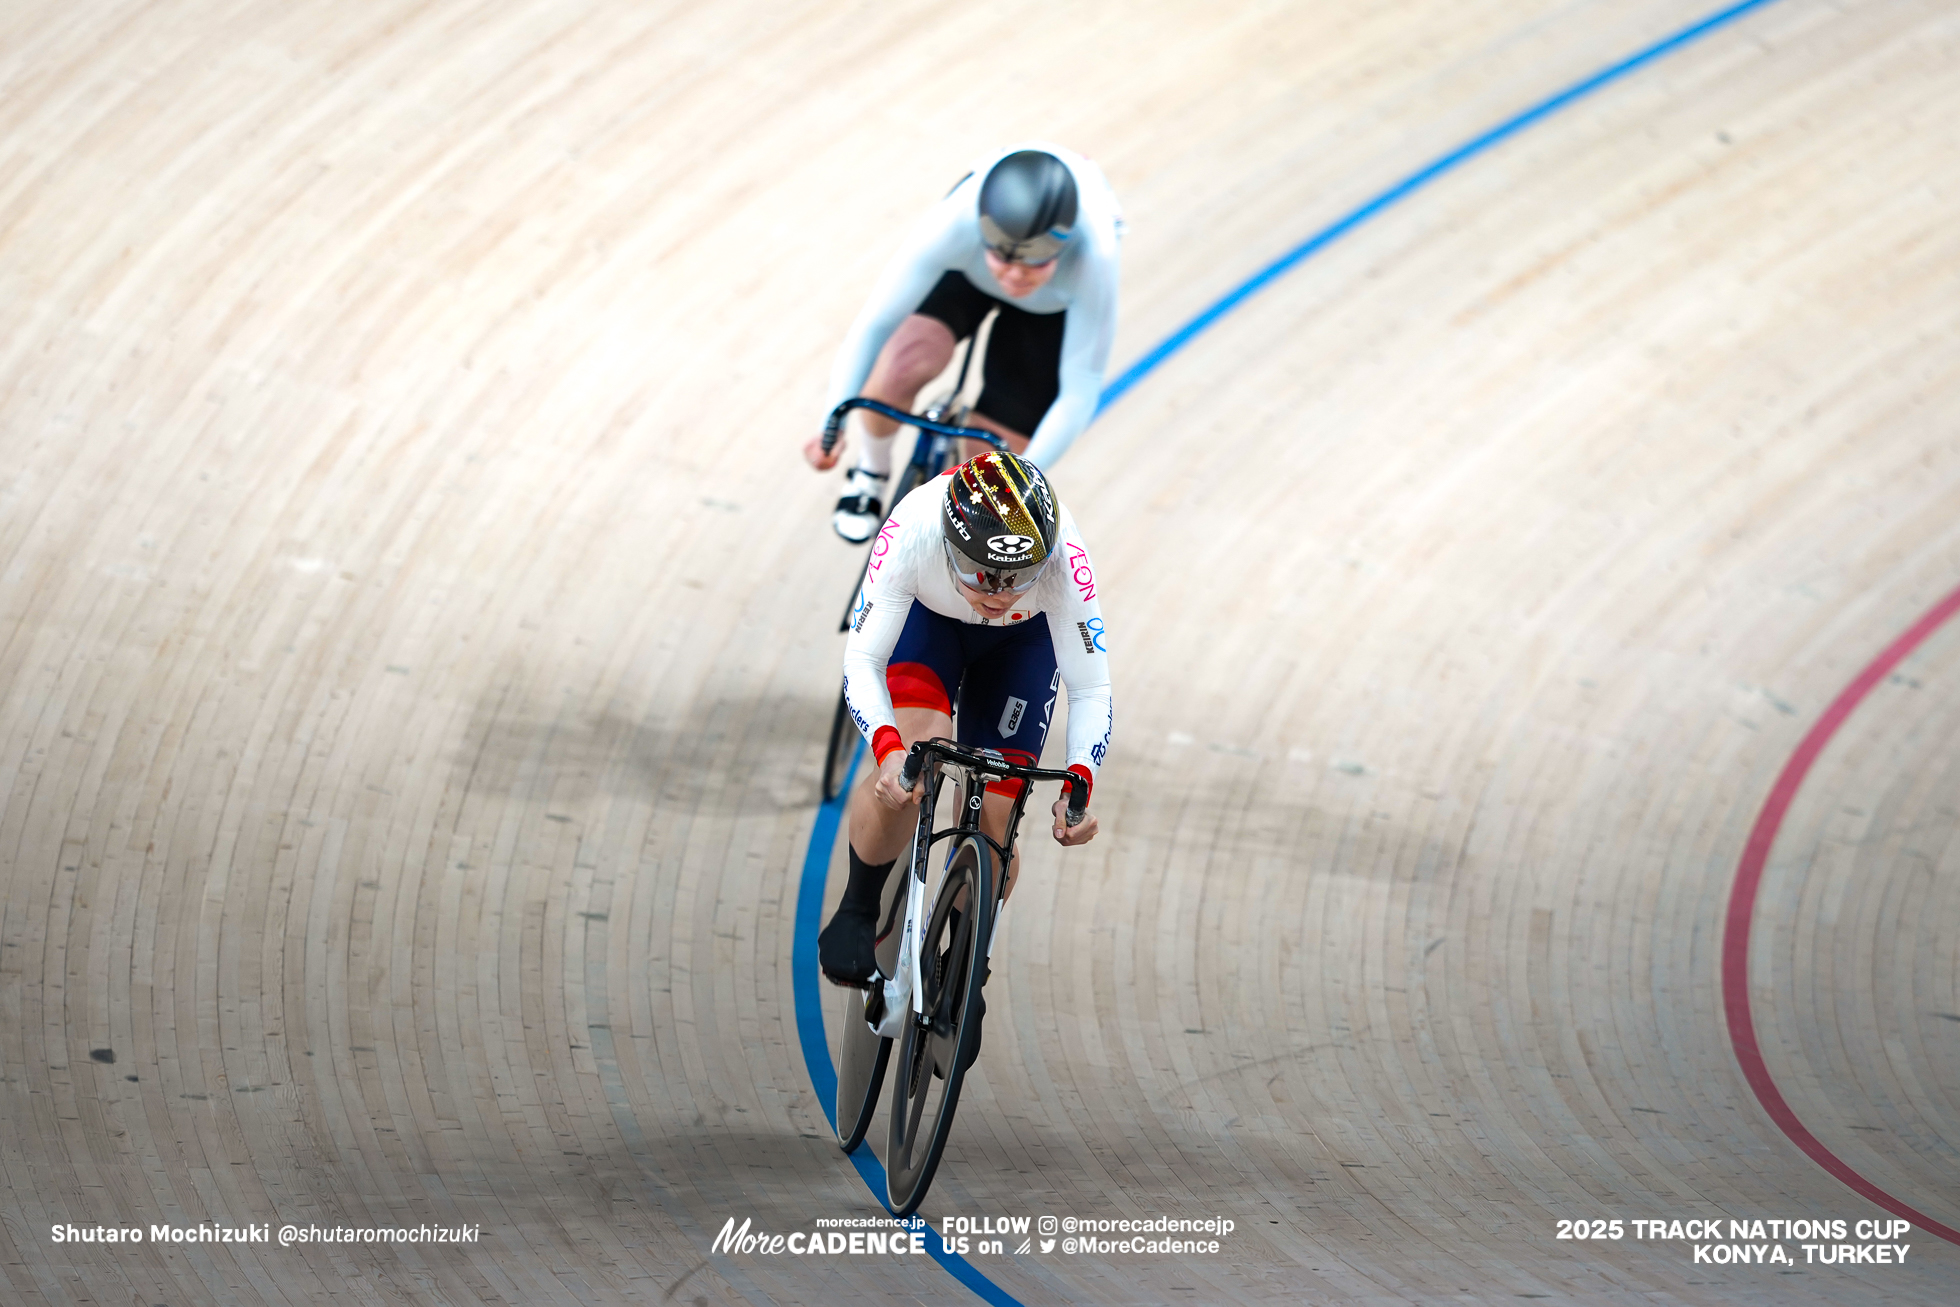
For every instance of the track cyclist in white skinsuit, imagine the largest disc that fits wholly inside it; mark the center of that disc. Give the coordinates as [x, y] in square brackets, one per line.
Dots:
[981, 594]
[1032, 232]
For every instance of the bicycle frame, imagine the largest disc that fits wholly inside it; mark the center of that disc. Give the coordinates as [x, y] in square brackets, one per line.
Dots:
[974, 768]
[931, 454]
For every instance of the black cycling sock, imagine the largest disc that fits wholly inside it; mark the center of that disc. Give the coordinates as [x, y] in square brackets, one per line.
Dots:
[866, 887]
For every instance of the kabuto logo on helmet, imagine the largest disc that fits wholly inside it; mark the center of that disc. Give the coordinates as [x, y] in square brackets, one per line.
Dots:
[999, 518]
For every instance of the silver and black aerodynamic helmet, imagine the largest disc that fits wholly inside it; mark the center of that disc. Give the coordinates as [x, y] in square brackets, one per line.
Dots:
[1027, 207]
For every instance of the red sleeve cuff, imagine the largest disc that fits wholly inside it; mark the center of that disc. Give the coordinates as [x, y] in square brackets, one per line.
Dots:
[884, 741]
[1088, 781]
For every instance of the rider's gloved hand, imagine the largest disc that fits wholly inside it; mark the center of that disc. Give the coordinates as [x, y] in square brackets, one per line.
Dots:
[814, 452]
[888, 788]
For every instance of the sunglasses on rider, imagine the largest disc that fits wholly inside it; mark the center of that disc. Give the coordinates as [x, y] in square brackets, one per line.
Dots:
[1007, 256]
[992, 580]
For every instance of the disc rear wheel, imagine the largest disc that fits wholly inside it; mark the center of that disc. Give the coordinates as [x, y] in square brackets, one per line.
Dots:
[862, 1053]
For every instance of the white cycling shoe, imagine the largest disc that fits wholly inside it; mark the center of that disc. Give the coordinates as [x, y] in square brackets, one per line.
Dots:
[859, 511]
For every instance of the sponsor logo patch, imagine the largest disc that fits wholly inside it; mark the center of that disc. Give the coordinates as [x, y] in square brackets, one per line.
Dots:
[1010, 719]
[887, 537]
[1083, 574]
[1011, 546]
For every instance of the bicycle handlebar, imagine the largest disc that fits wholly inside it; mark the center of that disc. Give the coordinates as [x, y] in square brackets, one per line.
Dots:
[992, 765]
[835, 423]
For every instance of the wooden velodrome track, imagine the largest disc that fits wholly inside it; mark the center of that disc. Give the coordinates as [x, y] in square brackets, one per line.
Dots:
[416, 633]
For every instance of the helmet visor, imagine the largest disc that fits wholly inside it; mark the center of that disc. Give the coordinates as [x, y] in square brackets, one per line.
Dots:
[992, 580]
[1037, 249]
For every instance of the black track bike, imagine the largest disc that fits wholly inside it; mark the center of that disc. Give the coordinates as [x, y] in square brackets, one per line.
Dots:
[926, 995]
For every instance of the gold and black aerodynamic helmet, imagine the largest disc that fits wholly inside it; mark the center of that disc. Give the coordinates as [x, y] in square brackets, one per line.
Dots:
[1001, 522]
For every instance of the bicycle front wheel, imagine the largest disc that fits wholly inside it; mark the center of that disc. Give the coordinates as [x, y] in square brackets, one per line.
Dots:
[940, 1039]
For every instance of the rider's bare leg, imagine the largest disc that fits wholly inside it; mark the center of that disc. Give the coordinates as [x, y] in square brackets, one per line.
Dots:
[995, 809]
[918, 351]
[880, 833]
[1015, 440]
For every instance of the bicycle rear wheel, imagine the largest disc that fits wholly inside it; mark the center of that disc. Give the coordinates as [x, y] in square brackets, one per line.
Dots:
[843, 745]
[910, 479]
[843, 730]
[863, 1054]
[938, 1042]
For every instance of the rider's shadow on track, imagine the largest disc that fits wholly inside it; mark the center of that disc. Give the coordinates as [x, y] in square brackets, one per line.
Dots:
[712, 747]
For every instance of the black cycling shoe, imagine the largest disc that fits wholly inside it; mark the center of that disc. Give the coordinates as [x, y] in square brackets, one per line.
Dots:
[847, 950]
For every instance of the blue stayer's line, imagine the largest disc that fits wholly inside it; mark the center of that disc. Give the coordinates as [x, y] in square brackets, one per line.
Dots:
[809, 1025]
[1415, 181]
[816, 861]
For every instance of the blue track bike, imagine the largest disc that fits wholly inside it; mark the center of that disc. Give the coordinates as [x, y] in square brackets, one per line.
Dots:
[934, 450]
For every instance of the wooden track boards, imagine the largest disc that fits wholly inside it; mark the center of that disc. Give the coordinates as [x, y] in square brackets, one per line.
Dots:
[416, 642]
